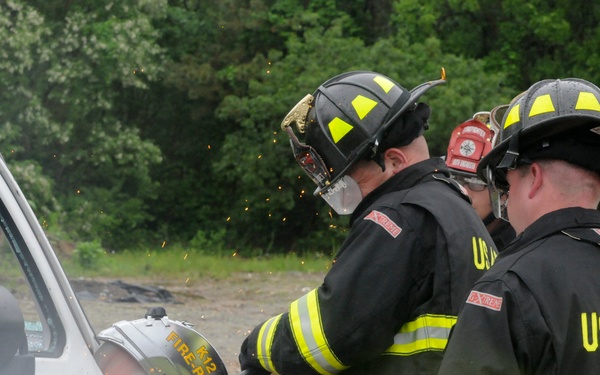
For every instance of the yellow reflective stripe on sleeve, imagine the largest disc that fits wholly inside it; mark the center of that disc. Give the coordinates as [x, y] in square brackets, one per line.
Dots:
[265, 341]
[426, 333]
[307, 327]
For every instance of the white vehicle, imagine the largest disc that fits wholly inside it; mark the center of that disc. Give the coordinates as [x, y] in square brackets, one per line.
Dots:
[43, 329]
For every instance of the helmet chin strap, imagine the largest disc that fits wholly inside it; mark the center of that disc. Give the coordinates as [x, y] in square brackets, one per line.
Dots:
[378, 157]
[380, 160]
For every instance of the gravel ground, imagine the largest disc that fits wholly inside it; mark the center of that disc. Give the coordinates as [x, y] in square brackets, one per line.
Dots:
[223, 311]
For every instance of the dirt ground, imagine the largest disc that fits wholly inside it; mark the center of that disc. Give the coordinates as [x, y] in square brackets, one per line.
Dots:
[223, 311]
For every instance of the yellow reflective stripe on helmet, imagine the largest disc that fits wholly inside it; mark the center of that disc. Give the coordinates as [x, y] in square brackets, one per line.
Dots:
[363, 105]
[513, 116]
[426, 333]
[542, 104]
[587, 101]
[384, 83]
[339, 128]
[305, 320]
[265, 341]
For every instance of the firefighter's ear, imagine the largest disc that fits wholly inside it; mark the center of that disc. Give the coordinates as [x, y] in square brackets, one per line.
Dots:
[395, 160]
[537, 179]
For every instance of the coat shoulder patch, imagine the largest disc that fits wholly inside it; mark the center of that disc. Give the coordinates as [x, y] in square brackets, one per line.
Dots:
[385, 222]
[486, 300]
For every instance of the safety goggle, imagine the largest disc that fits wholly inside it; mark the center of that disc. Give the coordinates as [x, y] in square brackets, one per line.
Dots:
[472, 183]
[306, 156]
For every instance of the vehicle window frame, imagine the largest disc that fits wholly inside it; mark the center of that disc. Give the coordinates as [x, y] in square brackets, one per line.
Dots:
[52, 327]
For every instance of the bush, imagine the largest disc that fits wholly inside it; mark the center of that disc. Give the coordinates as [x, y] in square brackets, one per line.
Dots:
[211, 243]
[88, 254]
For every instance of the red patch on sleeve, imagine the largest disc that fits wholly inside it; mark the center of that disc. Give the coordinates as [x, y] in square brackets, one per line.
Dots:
[385, 222]
[485, 300]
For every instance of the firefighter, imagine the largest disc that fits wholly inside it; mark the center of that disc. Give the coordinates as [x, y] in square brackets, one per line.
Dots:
[469, 142]
[414, 250]
[536, 311]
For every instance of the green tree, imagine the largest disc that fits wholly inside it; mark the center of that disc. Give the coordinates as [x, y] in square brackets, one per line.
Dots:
[151, 120]
[529, 41]
[270, 194]
[62, 72]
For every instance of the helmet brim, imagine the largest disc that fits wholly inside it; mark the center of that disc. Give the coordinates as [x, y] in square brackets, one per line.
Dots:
[415, 94]
[534, 135]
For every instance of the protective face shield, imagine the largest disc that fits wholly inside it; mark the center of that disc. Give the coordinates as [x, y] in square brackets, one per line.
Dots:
[498, 196]
[343, 196]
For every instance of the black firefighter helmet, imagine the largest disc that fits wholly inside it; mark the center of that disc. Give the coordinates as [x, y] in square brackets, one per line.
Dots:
[350, 117]
[553, 119]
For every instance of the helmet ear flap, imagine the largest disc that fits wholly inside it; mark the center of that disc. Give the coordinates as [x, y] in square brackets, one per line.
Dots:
[423, 111]
[407, 127]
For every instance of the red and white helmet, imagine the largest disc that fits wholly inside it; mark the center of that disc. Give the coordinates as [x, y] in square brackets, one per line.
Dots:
[469, 143]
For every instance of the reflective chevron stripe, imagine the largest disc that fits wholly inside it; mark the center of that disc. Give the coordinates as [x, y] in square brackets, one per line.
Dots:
[307, 327]
[426, 333]
[265, 341]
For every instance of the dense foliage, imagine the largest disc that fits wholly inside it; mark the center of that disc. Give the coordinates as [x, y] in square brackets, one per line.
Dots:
[136, 122]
